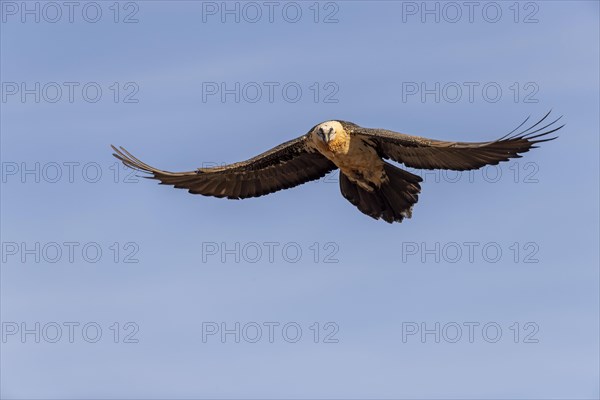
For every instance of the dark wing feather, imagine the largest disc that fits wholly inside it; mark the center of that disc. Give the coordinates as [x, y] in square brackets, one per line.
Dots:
[289, 164]
[419, 152]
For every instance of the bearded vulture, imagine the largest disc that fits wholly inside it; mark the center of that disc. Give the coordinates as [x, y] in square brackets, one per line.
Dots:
[376, 187]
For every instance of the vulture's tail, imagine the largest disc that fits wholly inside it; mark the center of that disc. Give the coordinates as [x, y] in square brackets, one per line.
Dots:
[393, 201]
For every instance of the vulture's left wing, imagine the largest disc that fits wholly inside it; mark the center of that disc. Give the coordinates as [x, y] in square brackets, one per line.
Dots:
[420, 152]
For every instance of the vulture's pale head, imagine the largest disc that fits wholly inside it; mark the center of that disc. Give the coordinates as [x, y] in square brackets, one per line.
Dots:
[328, 130]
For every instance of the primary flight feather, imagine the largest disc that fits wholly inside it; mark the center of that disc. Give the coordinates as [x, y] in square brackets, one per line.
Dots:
[376, 187]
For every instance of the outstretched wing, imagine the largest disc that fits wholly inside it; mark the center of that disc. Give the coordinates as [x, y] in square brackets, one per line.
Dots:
[289, 164]
[420, 152]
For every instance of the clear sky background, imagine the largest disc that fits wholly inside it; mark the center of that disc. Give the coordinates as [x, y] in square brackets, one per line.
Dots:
[371, 287]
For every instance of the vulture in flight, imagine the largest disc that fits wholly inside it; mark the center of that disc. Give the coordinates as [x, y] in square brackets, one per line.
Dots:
[376, 187]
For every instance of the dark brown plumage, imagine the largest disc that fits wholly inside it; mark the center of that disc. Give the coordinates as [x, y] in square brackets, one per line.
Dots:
[285, 166]
[375, 187]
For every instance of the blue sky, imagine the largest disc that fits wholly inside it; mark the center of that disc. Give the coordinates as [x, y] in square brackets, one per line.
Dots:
[510, 251]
